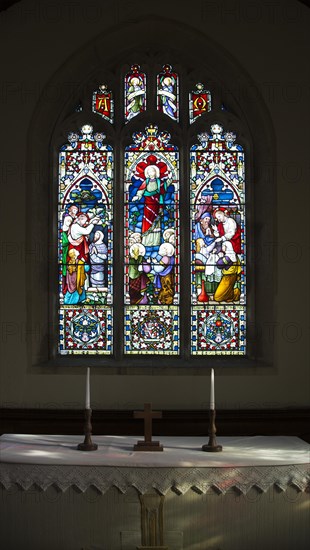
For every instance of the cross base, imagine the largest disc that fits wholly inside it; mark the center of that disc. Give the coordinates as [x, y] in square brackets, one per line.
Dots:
[148, 446]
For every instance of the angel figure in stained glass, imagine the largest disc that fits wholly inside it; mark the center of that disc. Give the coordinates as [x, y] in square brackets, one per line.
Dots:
[136, 97]
[168, 97]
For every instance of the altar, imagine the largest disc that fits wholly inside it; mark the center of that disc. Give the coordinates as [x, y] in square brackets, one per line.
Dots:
[253, 495]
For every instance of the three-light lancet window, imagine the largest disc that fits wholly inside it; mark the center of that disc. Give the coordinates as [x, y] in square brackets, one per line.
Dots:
[155, 201]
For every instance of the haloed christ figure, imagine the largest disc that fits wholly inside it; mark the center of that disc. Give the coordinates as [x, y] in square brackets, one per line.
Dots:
[153, 190]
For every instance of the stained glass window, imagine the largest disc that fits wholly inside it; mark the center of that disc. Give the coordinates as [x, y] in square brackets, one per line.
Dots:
[103, 103]
[135, 93]
[168, 92]
[199, 102]
[85, 200]
[151, 244]
[218, 244]
[143, 272]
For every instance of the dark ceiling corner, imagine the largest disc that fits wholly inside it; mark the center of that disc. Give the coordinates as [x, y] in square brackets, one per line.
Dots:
[5, 4]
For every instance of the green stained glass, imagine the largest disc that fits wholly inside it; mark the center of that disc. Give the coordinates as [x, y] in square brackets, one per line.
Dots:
[135, 93]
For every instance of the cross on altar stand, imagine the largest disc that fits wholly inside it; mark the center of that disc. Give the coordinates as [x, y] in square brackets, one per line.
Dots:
[148, 415]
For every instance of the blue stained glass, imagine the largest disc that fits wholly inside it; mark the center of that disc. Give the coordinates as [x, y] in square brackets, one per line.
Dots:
[85, 237]
[218, 243]
[168, 92]
[151, 243]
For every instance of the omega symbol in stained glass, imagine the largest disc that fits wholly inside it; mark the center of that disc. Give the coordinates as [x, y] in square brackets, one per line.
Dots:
[199, 102]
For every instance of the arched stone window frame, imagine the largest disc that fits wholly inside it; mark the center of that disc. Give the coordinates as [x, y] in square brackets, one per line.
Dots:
[54, 118]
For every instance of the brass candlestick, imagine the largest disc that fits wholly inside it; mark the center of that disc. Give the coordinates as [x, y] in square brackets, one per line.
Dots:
[88, 445]
[212, 446]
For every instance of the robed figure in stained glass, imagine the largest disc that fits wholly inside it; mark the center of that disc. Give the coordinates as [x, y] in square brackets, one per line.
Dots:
[98, 254]
[151, 238]
[227, 229]
[167, 92]
[78, 258]
[135, 93]
[164, 269]
[152, 189]
[138, 270]
[68, 219]
[229, 263]
[85, 240]
[218, 244]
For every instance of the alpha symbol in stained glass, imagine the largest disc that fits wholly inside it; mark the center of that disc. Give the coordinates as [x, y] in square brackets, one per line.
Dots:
[103, 103]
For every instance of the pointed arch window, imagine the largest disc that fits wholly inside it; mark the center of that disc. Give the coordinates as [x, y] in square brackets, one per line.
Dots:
[151, 249]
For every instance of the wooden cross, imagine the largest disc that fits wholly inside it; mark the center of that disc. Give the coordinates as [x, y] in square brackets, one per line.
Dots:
[148, 415]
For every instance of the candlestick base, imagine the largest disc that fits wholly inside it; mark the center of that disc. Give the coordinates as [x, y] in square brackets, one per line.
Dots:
[212, 446]
[87, 445]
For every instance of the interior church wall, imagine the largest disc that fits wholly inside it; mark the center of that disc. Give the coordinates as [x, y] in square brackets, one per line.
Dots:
[268, 41]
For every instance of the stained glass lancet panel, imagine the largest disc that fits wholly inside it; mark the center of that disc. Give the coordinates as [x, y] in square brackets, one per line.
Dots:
[199, 102]
[218, 245]
[168, 92]
[151, 244]
[103, 103]
[135, 93]
[85, 195]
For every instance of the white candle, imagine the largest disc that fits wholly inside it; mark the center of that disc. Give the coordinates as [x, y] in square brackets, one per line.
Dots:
[87, 399]
[212, 401]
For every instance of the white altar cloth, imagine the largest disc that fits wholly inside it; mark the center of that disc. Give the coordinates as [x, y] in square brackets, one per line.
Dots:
[245, 462]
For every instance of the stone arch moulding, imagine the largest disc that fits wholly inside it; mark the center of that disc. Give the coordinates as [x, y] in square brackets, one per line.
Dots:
[248, 115]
